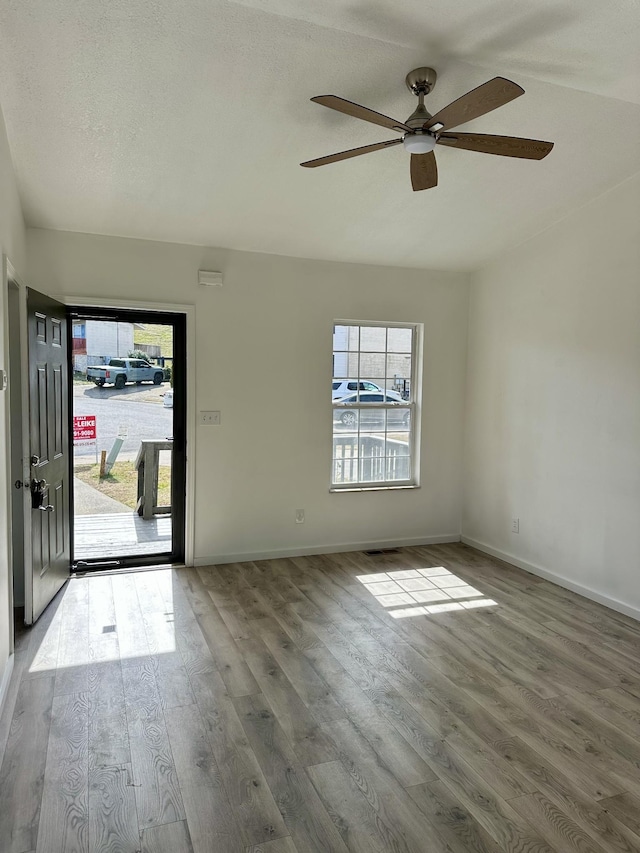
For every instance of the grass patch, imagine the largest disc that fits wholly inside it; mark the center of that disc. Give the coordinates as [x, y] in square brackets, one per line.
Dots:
[155, 334]
[81, 379]
[122, 483]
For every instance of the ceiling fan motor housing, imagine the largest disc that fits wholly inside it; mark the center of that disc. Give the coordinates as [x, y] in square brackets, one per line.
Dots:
[420, 141]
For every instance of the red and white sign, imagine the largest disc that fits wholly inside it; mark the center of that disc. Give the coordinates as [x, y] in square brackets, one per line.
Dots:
[84, 429]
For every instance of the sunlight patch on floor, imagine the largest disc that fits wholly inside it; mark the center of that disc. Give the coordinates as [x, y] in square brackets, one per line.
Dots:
[99, 619]
[419, 592]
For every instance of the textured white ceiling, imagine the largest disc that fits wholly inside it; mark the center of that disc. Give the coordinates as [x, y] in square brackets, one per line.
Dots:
[187, 121]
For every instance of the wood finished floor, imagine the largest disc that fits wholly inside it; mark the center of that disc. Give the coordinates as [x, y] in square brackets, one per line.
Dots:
[337, 703]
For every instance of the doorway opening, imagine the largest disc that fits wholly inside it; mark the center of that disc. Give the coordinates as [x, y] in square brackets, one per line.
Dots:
[128, 426]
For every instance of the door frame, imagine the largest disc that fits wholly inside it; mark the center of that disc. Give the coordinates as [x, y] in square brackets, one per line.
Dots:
[189, 313]
[11, 279]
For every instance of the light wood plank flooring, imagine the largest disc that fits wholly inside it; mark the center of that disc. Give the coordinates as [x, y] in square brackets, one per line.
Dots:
[432, 699]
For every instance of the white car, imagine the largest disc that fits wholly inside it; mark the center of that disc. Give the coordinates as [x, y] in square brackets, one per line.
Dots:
[346, 387]
[396, 418]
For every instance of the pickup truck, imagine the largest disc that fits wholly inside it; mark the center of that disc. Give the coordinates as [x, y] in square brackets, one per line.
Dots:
[119, 371]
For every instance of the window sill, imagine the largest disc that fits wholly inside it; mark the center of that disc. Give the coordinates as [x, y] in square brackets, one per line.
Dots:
[339, 489]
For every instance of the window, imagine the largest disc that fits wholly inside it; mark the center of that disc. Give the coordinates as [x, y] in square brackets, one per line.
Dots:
[374, 421]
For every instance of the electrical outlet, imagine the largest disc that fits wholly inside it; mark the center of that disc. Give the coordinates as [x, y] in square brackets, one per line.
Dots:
[299, 516]
[515, 525]
[210, 418]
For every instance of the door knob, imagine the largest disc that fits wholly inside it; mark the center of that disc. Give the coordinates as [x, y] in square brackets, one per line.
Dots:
[35, 460]
[39, 489]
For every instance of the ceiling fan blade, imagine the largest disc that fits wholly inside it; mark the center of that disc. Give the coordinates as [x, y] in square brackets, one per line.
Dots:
[352, 152]
[491, 95]
[424, 171]
[355, 110]
[507, 146]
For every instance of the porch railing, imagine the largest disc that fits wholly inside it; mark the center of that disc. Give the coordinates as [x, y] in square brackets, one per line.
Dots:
[380, 460]
[147, 465]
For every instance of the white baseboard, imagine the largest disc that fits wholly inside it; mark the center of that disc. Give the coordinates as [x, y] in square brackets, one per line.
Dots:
[220, 559]
[533, 569]
[6, 680]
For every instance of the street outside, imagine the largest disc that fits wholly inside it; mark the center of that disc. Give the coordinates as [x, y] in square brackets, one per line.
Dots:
[134, 412]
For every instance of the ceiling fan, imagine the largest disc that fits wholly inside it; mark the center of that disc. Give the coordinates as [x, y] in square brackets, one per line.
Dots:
[421, 132]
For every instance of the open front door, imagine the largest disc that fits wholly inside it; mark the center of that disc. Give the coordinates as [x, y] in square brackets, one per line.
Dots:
[49, 450]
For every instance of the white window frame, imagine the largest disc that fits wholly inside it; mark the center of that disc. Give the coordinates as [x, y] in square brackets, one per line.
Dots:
[413, 405]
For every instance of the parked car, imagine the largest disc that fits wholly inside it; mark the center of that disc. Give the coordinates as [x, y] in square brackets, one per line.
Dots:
[119, 371]
[345, 387]
[398, 417]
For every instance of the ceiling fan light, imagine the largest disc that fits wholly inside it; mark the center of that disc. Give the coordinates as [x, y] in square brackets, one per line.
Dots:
[419, 143]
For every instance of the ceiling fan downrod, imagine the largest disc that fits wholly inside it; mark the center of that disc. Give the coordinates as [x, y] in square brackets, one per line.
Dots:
[420, 81]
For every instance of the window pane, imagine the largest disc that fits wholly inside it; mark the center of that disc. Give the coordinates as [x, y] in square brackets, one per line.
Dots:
[397, 445]
[373, 469]
[345, 446]
[398, 364]
[372, 418]
[398, 468]
[340, 367]
[345, 419]
[372, 364]
[399, 340]
[345, 338]
[353, 364]
[398, 421]
[402, 388]
[373, 457]
[345, 459]
[372, 449]
[345, 471]
[373, 339]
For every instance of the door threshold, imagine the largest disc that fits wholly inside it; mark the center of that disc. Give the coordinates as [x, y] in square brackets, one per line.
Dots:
[124, 570]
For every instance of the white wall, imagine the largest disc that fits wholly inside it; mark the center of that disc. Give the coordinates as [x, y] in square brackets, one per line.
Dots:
[553, 404]
[263, 357]
[12, 244]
